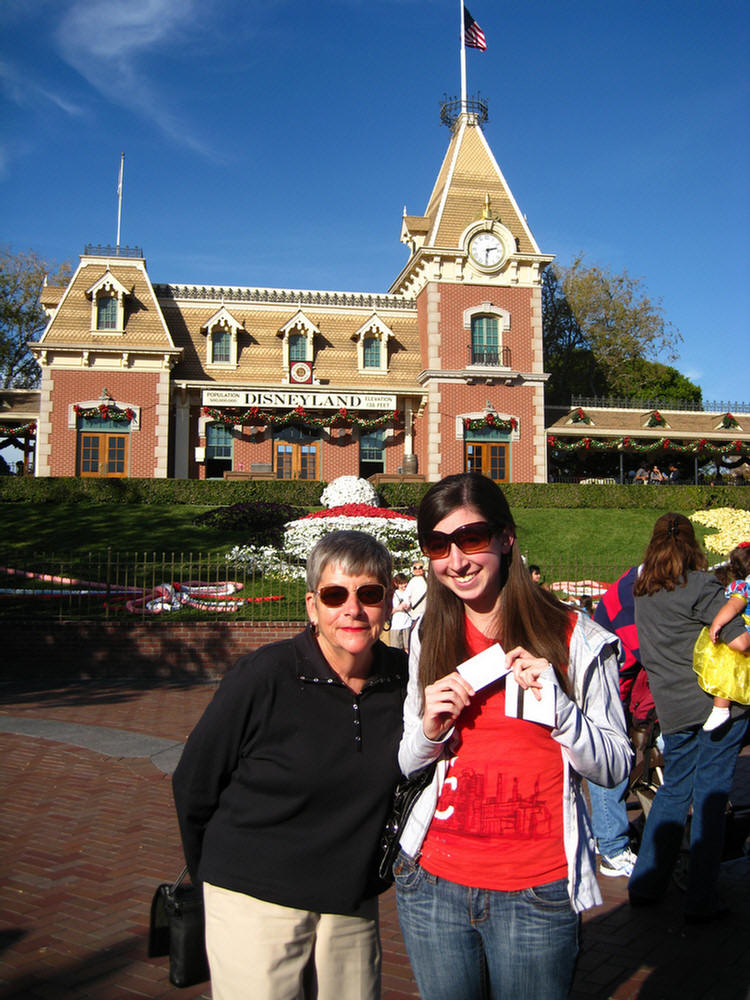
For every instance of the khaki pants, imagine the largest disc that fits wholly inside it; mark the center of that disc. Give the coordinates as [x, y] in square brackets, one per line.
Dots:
[262, 951]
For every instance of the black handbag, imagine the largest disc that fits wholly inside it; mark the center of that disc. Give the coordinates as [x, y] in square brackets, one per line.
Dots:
[177, 929]
[407, 792]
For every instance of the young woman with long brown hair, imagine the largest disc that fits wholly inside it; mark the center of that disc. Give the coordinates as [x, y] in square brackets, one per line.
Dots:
[497, 857]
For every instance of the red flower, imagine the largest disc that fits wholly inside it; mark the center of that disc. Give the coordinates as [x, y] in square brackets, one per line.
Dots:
[358, 510]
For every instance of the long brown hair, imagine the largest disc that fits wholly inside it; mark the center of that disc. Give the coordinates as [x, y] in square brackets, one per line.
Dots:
[671, 554]
[529, 615]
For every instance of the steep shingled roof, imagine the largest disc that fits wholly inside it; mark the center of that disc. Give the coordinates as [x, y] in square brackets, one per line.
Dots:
[470, 171]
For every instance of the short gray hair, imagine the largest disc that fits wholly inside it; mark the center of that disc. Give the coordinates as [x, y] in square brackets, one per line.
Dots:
[356, 552]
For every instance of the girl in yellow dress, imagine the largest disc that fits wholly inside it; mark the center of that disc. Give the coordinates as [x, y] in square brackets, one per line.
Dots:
[721, 671]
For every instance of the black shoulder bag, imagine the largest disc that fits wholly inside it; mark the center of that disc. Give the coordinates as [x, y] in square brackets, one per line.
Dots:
[407, 792]
[177, 929]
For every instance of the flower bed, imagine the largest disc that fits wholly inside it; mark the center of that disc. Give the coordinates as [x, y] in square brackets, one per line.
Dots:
[733, 527]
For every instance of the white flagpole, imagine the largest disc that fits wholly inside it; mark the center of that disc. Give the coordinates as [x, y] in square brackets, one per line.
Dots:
[463, 59]
[119, 198]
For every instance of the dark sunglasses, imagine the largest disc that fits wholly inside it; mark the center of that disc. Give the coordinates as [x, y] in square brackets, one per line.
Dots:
[470, 538]
[369, 595]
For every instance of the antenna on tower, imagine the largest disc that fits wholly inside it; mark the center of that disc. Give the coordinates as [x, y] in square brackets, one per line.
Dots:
[119, 199]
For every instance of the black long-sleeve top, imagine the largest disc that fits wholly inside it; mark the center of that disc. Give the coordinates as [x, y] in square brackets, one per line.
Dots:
[284, 785]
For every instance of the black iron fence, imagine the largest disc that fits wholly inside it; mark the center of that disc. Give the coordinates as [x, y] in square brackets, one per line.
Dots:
[175, 586]
[107, 584]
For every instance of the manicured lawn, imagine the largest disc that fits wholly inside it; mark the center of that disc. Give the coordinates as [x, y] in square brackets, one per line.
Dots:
[144, 546]
[547, 536]
[121, 527]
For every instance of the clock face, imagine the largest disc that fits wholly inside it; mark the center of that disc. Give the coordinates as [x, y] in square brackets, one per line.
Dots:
[300, 371]
[486, 249]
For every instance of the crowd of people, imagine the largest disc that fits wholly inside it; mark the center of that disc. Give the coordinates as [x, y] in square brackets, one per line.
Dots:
[513, 709]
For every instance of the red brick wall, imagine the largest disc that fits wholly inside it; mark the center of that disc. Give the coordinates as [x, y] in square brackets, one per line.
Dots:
[457, 398]
[132, 388]
[339, 451]
[168, 652]
[456, 340]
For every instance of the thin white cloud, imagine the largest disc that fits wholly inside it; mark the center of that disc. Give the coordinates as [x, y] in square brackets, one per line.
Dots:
[24, 92]
[114, 45]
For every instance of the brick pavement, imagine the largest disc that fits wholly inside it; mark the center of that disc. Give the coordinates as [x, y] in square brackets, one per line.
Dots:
[86, 837]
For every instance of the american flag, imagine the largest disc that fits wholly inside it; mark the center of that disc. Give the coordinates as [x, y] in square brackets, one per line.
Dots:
[473, 34]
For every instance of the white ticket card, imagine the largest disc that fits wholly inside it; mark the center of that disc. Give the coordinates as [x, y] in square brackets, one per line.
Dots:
[521, 703]
[484, 668]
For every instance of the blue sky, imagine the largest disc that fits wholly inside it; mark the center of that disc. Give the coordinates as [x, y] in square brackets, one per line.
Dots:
[277, 143]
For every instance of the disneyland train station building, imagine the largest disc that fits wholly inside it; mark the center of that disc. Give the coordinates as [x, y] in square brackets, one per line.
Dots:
[442, 373]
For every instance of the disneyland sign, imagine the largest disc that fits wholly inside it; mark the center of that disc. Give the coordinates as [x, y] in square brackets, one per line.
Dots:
[284, 399]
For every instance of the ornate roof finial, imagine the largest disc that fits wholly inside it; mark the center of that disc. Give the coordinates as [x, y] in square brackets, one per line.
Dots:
[487, 210]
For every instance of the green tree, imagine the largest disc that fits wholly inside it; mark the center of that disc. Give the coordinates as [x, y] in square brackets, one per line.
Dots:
[22, 318]
[652, 380]
[599, 330]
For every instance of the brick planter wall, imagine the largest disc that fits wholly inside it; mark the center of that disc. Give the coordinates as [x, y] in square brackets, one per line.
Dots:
[160, 651]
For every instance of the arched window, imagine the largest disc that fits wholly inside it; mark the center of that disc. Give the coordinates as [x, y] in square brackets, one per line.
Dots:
[222, 332]
[372, 346]
[484, 341]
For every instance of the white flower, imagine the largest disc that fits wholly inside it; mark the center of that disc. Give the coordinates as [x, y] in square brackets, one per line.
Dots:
[349, 489]
[733, 527]
[399, 535]
[265, 560]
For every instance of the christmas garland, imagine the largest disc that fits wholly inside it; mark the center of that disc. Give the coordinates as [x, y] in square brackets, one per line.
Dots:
[701, 447]
[29, 428]
[105, 412]
[492, 421]
[254, 417]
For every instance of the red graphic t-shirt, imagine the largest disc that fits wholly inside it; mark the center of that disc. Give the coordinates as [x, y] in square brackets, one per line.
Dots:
[499, 819]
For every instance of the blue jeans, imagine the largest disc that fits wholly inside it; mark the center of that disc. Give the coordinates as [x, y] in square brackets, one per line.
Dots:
[699, 768]
[524, 944]
[609, 817]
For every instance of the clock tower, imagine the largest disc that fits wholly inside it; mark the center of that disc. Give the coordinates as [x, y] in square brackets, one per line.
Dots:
[475, 271]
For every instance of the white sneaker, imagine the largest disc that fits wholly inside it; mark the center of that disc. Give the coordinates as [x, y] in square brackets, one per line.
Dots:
[618, 864]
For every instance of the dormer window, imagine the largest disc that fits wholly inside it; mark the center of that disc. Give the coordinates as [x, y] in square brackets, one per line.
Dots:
[108, 304]
[221, 339]
[372, 346]
[371, 352]
[298, 336]
[297, 347]
[106, 312]
[221, 346]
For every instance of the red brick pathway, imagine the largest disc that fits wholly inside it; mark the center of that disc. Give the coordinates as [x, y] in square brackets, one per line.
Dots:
[85, 838]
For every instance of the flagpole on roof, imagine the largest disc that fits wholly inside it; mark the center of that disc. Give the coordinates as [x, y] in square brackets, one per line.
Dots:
[119, 199]
[463, 57]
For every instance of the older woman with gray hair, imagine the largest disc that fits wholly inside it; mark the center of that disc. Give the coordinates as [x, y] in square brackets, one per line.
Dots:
[284, 786]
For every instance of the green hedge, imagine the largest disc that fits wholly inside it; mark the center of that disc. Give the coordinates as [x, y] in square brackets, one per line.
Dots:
[212, 493]
[306, 493]
[594, 495]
